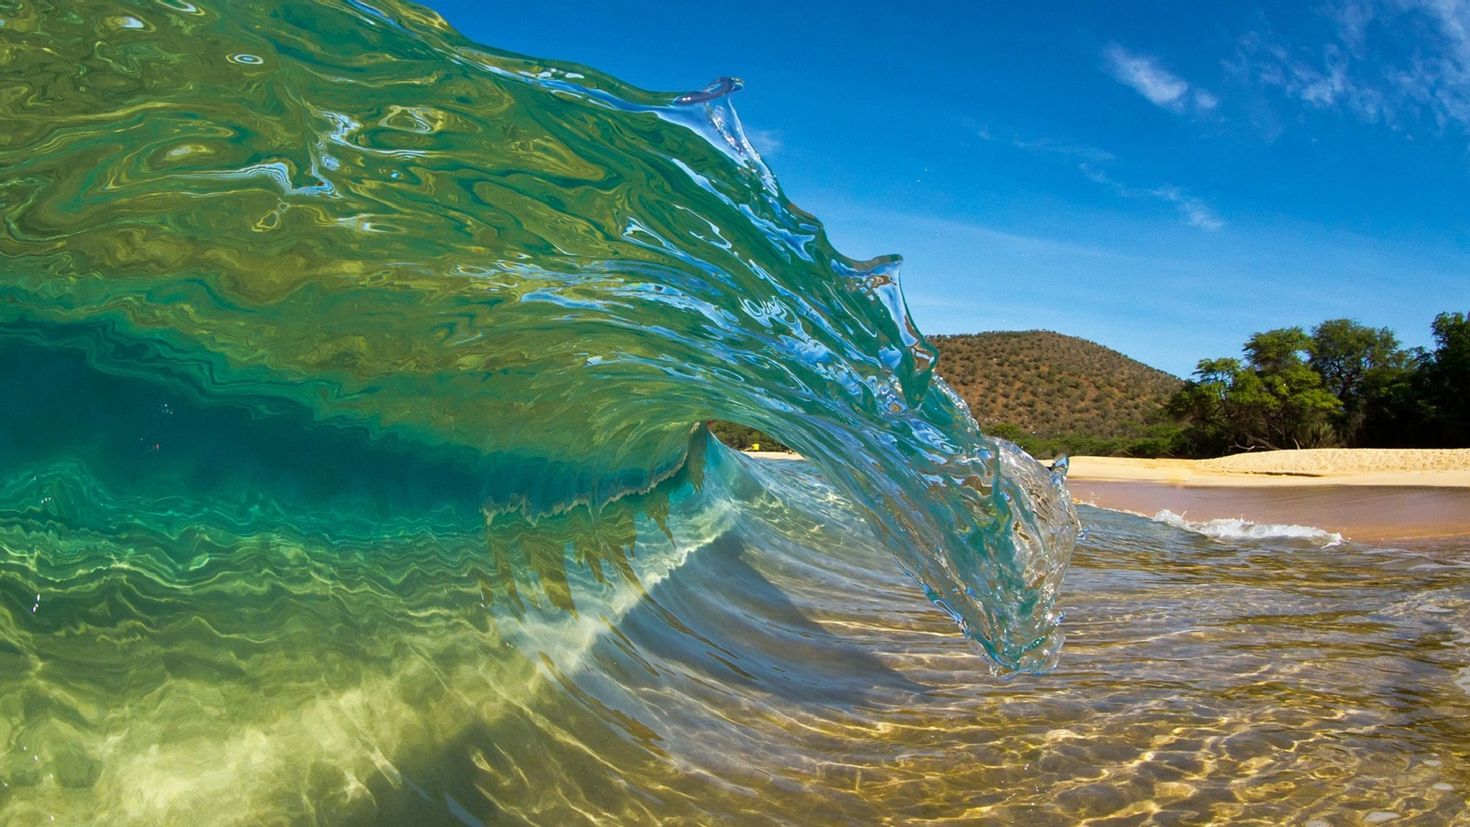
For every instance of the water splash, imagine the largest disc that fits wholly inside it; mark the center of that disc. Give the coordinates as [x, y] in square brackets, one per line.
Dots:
[1238, 528]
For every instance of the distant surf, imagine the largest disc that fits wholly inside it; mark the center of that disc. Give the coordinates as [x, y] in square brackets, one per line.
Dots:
[1238, 528]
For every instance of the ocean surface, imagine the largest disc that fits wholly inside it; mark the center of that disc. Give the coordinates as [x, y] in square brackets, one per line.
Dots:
[353, 471]
[775, 667]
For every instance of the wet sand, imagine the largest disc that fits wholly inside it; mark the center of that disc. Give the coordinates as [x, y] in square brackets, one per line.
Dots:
[1358, 512]
[1363, 494]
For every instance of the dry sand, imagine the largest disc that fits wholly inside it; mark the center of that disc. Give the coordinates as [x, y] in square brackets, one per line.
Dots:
[773, 454]
[1424, 467]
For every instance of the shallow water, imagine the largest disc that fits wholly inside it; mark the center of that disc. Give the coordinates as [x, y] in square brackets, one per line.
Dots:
[1360, 512]
[778, 668]
[1266, 681]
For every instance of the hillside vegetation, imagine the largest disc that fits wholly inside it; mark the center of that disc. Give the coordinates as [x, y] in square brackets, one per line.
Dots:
[1048, 392]
[1053, 393]
[1340, 384]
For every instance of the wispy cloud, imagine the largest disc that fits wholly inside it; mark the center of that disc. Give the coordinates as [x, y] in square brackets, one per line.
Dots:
[1050, 146]
[1193, 211]
[1044, 145]
[1146, 76]
[1395, 62]
[766, 141]
[1092, 163]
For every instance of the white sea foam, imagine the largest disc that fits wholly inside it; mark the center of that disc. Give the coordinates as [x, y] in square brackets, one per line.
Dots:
[1237, 528]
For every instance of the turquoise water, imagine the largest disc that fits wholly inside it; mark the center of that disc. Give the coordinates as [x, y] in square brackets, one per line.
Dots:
[352, 471]
[333, 341]
[353, 228]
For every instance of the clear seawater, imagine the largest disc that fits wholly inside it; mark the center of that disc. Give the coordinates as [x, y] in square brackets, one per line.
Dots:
[352, 471]
[776, 667]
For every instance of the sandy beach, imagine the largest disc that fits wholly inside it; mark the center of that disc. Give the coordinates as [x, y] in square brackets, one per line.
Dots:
[774, 454]
[1368, 494]
[1431, 467]
[1361, 493]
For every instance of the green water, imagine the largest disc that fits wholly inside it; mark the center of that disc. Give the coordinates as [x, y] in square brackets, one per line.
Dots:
[351, 216]
[354, 376]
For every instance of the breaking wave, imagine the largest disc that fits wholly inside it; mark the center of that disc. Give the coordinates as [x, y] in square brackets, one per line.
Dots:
[1237, 528]
[355, 377]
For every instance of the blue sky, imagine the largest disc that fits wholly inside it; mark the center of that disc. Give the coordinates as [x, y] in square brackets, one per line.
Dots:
[1163, 178]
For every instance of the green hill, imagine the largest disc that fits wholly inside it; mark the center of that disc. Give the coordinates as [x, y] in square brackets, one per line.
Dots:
[1050, 393]
[1054, 393]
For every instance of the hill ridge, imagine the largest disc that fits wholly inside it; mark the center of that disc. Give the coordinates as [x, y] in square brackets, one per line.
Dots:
[1047, 391]
[1053, 392]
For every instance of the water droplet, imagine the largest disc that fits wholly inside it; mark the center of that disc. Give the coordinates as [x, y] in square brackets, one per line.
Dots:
[247, 59]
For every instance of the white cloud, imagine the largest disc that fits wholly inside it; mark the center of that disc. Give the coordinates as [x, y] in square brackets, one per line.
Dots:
[766, 141]
[1147, 77]
[1395, 62]
[1044, 145]
[1051, 146]
[1193, 211]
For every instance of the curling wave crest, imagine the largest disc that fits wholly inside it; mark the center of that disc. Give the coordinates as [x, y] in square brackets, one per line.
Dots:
[356, 375]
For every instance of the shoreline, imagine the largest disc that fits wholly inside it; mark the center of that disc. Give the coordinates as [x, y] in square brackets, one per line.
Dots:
[1369, 513]
[1362, 494]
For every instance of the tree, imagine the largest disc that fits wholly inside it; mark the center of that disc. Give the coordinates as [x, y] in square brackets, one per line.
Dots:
[1345, 352]
[1397, 412]
[1212, 425]
[1345, 383]
[1291, 407]
[1446, 380]
[1274, 400]
[1274, 351]
[1363, 367]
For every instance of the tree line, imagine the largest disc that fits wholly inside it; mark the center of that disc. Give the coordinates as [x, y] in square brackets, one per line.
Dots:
[1343, 384]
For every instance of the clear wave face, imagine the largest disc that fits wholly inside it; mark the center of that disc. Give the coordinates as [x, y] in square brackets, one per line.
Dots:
[355, 375]
[352, 213]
